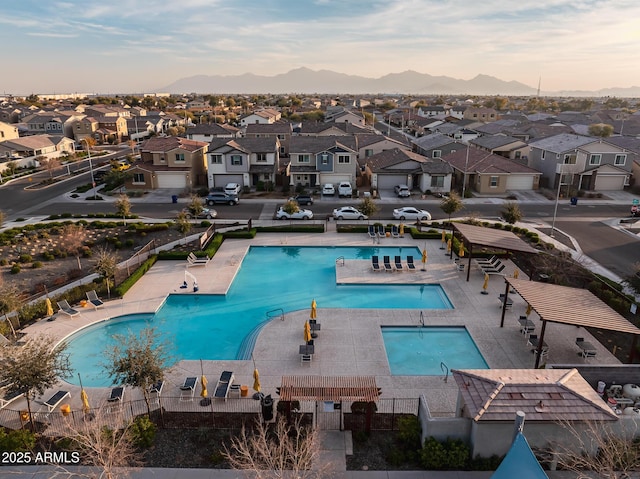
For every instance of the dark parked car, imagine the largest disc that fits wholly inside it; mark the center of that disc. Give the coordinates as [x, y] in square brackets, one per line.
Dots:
[303, 200]
[221, 198]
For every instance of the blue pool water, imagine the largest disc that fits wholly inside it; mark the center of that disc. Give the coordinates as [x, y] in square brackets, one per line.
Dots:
[419, 351]
[213, 327]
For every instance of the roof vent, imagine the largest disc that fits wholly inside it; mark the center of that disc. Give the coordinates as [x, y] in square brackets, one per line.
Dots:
[540, 407]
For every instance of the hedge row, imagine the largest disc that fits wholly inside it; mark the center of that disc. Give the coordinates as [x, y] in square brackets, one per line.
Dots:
[126, 285]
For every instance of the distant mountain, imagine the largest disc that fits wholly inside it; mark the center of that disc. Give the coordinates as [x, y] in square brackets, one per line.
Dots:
[304, 80]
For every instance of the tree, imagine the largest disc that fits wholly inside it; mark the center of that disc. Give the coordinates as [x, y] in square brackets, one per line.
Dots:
[11, 167]
[601, 130]
[451, 204]
[73, 236]
[195, 206]
[368, 207]
[138, 361]
[123, 206]
[33, 367]
[290, 207]
[511, 212]
[183, 224]
[49, 164]
[106, 266]
[277, 451]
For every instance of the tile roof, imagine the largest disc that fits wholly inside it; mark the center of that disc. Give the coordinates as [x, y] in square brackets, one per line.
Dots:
[279, 127]
[493, 142]
[562, 143]
[482, 162]
[169, 143]
[434, 140]
[212, 129]
[543, 394]
[316, 144]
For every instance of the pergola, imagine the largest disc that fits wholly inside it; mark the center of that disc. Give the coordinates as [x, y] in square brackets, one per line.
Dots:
[329, 388]
[562, 304]
[490, 238]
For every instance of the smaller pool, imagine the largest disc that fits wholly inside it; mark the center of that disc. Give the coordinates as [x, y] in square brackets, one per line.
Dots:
[419, 351]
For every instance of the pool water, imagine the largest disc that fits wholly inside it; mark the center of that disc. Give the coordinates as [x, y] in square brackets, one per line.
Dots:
[422, 351]
[216, 327]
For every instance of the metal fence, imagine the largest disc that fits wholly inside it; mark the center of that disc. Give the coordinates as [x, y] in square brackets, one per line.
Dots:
[124, 269]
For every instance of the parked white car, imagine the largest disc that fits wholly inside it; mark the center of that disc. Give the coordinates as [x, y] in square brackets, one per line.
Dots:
[298, 215]
[345, 189]
[328, 189]
[232, 189]
[348, 213]
[411, 213]
[402, 191]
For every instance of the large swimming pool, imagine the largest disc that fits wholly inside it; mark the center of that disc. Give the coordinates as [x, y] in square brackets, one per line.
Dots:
[220, 327]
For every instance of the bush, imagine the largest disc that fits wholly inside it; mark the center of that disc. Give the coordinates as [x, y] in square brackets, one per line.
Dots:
[409, 432]
[18, 440]
[433, 457]
[25, 258]
[36, 264]
[121, 289]
[452, 454]
[143, 432]
[15, 269]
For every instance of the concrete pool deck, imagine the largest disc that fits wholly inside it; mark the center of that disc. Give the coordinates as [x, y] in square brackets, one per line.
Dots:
[350, 341]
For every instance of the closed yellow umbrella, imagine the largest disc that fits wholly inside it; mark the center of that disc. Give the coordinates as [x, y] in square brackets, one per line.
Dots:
[443, 236]
[449, 245]
[49, 307]
[401, 229]
[85, 401]
[256, 380]
[314, 312]
[425, 257]
[461, 250]
[203, 380]
[485, 285]
[516, 273]
[307, 332]
[529, 309]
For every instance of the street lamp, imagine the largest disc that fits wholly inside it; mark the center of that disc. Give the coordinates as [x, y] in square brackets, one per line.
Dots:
[93, 182]
[555, 209]
[464, 173]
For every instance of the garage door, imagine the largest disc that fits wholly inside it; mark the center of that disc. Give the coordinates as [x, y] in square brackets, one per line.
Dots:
[222, 180]
[609, 183]
[519, 182]
[387, 182]
[334, 179]
[171, 180]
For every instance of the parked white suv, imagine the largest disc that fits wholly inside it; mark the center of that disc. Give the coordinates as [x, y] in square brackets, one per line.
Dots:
[344, 189]
[232, 189]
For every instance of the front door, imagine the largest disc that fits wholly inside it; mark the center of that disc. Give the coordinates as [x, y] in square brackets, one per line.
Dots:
[328, 416]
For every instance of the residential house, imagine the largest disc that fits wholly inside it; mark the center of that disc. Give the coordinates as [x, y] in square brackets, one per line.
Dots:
[353, 117]
[490, 174]
[208, 131]
[332, 129]
[52, 123]
[99, 111]
[140, 129]
[480, 114]
[169, 162]
[8, 132]
[435, 145]
[246, 161]
[33, 146]
[398, 166]
[104, 130]
[266, 115]
[502, 145]
[434, 111]
[371, 144]
[316, 160]
[282, 130]
[632, 145]
[581, 163]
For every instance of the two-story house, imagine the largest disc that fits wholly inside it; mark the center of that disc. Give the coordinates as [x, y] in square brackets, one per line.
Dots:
[480, 114]
[208, 131]
[581, 162]
[169, 162]
[282, 130]
[319, 160]
[502, 145]
[51, 123]
[246, 161]
[435, 145]
[7, 131]
[266, 115]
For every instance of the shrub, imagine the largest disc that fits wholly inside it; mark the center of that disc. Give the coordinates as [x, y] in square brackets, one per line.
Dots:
[36, 264]
[4, 262]
[18, 440]
[15, 269]
[360, 407]
[74, 273]
[433, 456]
[25, 258]
[497, 226]
[409, 432]
[143, 432]
[48, 256]
[129, 243]
[121, 289]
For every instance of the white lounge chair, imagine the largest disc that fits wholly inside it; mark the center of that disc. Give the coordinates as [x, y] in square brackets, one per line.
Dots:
[188, 388]
[223, 385]
[193, 260]
[56, 399]
[66, 308]
[94, 301]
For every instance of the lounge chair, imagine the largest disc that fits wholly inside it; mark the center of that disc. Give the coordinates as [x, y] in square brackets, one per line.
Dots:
[494, 270]
[188, 389]
[375, 263]
[96, 302]
[56, 399]
[410, 264]
[487, 261]
[372, 232]
[65, 308]
[587, 349]
[381, 232]
[387, 264]
[117, 394]
[398, 263]
[395, 232]
[193, 260]
[5, 397]
[155, 390]
[223, 385]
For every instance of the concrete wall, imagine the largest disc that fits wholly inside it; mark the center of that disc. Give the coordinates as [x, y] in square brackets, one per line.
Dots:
[442, 428]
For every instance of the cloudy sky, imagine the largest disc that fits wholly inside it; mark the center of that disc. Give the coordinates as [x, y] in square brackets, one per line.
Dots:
[136, 46]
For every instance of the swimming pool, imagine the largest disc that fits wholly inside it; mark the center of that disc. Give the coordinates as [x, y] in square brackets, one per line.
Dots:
[213, 327]
[419, 351]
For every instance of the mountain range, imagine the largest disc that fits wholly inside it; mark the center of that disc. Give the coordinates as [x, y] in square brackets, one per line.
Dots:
[307, 81]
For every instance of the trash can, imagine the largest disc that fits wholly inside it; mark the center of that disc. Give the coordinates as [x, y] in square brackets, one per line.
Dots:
[174, 198]
[574, 200]
[267, 408]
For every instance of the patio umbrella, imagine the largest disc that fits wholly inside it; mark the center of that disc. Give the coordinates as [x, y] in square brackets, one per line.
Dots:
[516, 273]
[314, 312]
[485, 285]
[307, 332]
[401, 229]
[461, 251]
[443, 240]
[204, 393]
[424, 258]
[529, 309]
[49, 307]
[256, 380]
[449, 245]
[83, 395]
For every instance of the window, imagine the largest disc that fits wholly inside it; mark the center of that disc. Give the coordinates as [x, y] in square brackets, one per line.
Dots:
[542, 155]
[569, 159]
[282, 151]
[437, 181]
[236, 160]
[494, 181]
[138, 178]
[368, 153]
[344, 159]
[324, 159]
[280, 136]
[179, 157]
[594, 159]
[436, 154]
[261, 157]
[518, 155]
[620, 160]
[304, 158]
[216, 159]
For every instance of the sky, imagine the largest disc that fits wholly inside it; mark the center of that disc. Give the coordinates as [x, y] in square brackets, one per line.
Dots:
[138, 46]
